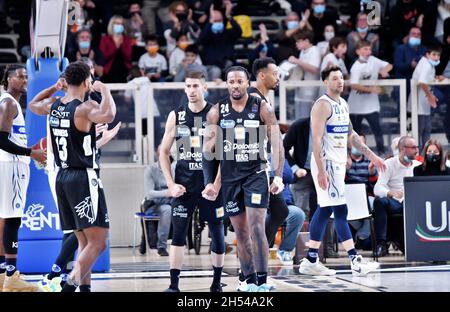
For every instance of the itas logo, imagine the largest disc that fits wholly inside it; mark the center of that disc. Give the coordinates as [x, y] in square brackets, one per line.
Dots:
[35, 219]
[429, 234]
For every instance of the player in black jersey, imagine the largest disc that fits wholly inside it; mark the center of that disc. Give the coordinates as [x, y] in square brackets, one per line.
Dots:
[81, 200]
[186, 125]
[266, 72]
[239, 129]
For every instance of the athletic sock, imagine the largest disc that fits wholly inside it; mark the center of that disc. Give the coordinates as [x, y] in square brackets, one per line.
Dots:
[85, 288]
[56, 271]
[11, 266]
[352, 254]
[251, 278]
[312, 255]
[174, 278]
[262, 277]
[2, 264]
[217, 276]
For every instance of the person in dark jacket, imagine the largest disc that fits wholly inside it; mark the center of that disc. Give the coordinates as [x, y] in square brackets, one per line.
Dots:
[434, 160]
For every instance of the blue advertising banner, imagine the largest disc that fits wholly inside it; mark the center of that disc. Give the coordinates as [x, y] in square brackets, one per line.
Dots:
[427, 218]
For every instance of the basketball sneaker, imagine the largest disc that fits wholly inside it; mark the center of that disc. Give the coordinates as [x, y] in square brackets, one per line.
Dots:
[16, 283]
[53, 285]
[361, 266]
[316, 268]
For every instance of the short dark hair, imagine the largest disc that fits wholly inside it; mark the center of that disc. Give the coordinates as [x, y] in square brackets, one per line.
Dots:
[434, 48]
[151, 37]
[76, 73]
[238, 69]
[191, 48]
[9, 70]
[304, 34]
[362, 44]
[195, 75]
[261, 63]
[326, 72]
[335, 42]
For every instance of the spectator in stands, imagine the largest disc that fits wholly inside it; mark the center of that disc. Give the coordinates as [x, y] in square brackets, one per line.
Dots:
[264, 46]
[158, 202]
[424, 74]
[218, 42]
[294, 220]
[434, 160]
[405, 14]
[116, 47]
[181, 23]
[361, 170]
[328, 33]
[135, 24]
[336, 56]
[360, 33]
[190, 62]
[322, 15]
[443, 11]
[309, 61]
[443, 69]
[85, 49]
[390, 192]
[178, 54]
[152, 63]
[363, 100]
[408, 55]
[286, 41]
[200, 11]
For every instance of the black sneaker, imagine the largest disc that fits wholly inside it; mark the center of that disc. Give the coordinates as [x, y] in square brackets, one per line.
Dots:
[162, 252]
[170, 289]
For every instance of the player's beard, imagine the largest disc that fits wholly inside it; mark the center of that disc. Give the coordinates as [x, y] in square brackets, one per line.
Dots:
[238, 97]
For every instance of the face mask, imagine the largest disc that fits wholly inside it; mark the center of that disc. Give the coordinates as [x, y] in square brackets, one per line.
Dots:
[292, 24]
[414, 41]
[181, 16]
[264, 49]
[328, 35]
[362, 30]
[85, 44]
[183, 45]
[433, 158]
[152, 50]
[319, 9]
[365, 1]
[407, 159]
[363, 59]
[356, 152]
[118, 29]
[434, 63]
[217, 27]
[447, 163]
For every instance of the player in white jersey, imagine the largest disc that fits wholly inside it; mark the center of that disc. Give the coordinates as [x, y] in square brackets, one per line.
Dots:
[330, 130]
[14, 176]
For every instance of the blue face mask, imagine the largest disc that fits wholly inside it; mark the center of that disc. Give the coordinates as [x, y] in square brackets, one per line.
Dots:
[365, 1]
[356, 152]
[360, 30]
[264, 49]
[407, 159]
[85, 44]
[292, 24]
[434, 63]
[217, 27]
[414, 41]
[319, 9]
[118, 29]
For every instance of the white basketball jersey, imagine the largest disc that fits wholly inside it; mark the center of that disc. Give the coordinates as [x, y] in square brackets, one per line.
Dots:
[17, 134]
[334, 141]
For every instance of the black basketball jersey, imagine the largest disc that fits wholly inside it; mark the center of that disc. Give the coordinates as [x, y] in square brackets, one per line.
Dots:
[244, 140]
[255, 90]
[72, 148]
[189, 133]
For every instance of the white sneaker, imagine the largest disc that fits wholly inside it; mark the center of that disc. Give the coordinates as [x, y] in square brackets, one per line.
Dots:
[242, 286]
[316, 268]
[284, 256]
[361, 266]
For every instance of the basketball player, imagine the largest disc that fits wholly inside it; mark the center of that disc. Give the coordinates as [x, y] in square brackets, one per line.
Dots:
[242, 142]
[330, 130]
[81, 200]
[186, 124]
[14, 176]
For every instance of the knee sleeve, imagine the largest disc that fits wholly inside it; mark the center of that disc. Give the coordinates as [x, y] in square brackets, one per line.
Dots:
[11, 234]
[319, 223]
[179, 230]
[217, 237]
[341, 223]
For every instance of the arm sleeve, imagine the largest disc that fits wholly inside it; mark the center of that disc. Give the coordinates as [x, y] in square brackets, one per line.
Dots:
[8, 146]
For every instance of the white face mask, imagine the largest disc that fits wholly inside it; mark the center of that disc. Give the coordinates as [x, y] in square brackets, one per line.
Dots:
[328, 35]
